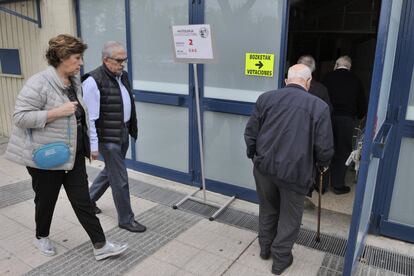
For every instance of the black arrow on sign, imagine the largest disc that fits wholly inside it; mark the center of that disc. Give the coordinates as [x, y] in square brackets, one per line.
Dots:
[260, 64]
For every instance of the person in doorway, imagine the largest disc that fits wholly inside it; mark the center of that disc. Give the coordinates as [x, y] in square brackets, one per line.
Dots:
[288, 132]
[316, 88]
[319, 90]
[349, 102]
[112, 119]
[49, 108]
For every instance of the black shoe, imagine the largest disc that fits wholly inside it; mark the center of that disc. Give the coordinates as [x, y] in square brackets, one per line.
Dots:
[264, 254]
[96, 209]
[342, 190]
[279, 271]
[133, 227]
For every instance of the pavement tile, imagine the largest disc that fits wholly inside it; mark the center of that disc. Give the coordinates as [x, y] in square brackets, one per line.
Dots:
[13, 266]
[25, 218]
[107, 222]
[71, 238]
[4, 254]
[241, 270]
[227, 230]
[10, 227]
[18, 241]
[176, 253]
[197, 237]
[31, 256]
[19, 210]
[60, 225]
[140, 205]
[227, 247]
[182, 272]
[11, 172]
[206, 263]
[153, 267]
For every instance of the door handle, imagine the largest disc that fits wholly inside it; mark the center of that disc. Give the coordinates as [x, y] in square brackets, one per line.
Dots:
[381, 141]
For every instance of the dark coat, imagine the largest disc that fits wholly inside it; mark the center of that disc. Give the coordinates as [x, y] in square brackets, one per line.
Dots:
[111, 111]
[319, 90]
[346, 93]
[288, 132]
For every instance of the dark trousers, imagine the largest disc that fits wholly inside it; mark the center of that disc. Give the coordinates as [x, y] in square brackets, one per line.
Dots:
[343, 129]
[46, 185]
[280, 216]
[115, 175]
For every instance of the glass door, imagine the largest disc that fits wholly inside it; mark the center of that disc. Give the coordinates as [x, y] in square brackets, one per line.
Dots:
[397, 218]
[379, 129]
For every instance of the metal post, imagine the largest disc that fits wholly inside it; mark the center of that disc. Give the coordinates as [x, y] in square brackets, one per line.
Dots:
[200, 137]
[192, 196]
[321, 172]
[318, 232]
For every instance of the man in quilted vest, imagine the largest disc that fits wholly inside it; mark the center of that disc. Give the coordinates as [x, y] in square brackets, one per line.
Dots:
[112, 119]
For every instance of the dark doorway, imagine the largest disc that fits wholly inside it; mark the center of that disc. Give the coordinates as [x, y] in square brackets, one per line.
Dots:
[328, 29]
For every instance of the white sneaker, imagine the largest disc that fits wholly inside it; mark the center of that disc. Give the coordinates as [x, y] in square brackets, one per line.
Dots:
[45, 246]
[108, 250]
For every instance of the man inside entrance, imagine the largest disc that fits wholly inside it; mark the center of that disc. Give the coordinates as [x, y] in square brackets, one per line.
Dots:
[288, 132]
[349, 102]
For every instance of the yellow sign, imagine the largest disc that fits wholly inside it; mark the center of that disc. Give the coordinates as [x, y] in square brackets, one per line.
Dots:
[259, 64]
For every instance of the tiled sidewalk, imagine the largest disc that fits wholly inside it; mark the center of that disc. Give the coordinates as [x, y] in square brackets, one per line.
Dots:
[176, 243]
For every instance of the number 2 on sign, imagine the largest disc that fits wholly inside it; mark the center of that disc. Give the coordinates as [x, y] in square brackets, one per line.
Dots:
[190, 42]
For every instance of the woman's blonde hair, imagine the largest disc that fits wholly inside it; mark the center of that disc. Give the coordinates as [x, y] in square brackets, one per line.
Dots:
[63, 46]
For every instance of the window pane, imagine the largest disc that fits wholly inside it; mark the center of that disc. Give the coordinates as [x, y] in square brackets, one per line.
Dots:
[152, 46]
[162, 136]
[101, 21]
[240, 27]
[410, 107]
[225, 149]
[402, 202]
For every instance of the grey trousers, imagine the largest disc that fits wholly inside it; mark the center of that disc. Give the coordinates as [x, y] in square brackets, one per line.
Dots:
[115, 175]
[280, 216]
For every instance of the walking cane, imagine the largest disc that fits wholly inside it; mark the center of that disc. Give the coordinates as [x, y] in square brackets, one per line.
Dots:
[322, 170]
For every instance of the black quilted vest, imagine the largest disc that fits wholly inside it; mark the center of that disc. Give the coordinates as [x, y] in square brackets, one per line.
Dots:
[111, 111]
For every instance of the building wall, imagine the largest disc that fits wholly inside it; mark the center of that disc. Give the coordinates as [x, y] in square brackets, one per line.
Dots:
[58, 16]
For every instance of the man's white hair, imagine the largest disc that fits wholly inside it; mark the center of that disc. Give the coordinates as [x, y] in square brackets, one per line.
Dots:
[304, 73]
[109, 47]
[309, 61]
[343, 61]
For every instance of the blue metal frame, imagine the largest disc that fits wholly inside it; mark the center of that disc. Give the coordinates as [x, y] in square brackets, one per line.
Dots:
[401, 83]
[37, 21]
[283, 43]
[227, 106]
[78, 21]
[353, 249]
[129, 54]
[232, 190]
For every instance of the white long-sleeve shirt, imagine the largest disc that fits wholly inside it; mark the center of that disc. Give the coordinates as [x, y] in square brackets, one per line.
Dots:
[92, 98]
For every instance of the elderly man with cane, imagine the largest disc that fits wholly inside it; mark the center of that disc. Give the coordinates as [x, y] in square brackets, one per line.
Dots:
[288, 132]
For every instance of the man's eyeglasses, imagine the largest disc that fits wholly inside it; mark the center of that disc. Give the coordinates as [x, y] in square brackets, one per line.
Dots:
[120, 60]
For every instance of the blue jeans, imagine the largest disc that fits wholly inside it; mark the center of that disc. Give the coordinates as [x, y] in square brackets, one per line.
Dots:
[115, 175]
